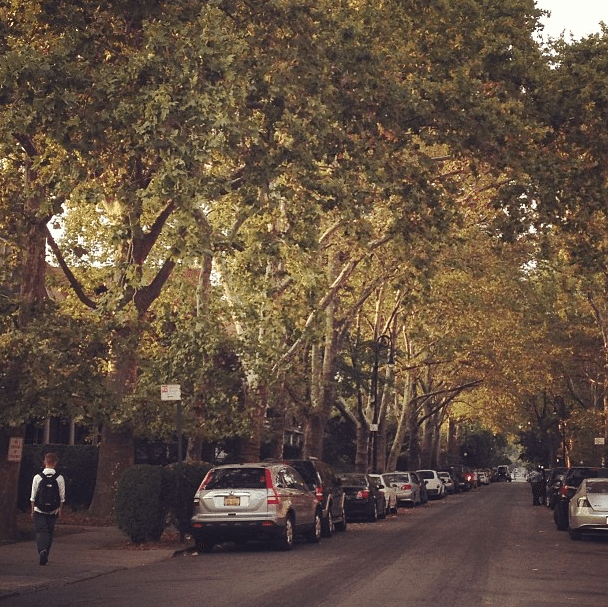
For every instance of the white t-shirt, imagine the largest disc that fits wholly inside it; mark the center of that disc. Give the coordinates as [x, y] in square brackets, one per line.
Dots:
[36, 482]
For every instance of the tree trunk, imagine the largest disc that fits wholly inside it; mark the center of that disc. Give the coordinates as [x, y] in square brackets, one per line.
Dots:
[116, 453]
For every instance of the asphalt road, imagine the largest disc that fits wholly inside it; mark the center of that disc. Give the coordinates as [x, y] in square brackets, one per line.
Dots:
[486, 547]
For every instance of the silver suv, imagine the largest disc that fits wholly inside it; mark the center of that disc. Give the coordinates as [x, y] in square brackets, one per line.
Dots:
[242, 502]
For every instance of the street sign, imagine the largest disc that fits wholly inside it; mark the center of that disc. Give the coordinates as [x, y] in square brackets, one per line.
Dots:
[171, 392]
[599, 440]
[15, 449]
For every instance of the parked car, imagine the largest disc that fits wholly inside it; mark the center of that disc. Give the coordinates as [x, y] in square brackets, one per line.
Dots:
[424, 494]
[503, 474]
[448, 481]
[242, 502]
[458, 474]
[588, 508]
[434, 485]
[572, 480]
[483, 476]
[327, 487]
[363, 498]
[390, 492]
[408, 488]
[555, 478]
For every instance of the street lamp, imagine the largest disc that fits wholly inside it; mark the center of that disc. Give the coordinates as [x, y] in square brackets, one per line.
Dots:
[381, 343]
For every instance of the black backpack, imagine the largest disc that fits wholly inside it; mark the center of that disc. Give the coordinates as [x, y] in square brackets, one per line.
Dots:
[48, 498]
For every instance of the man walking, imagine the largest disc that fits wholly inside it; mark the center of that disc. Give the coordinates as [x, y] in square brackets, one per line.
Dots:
[48, 495]
[535, 478]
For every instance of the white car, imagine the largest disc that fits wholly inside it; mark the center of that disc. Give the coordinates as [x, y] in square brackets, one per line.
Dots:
[448, 482]
[434, 485]
[588, 508]
[389, 490]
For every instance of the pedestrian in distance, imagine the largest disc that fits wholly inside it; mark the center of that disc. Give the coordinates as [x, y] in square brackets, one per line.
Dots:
[47, 498]
[535, 478]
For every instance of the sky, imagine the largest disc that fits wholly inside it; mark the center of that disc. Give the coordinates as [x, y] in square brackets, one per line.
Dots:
[579, 17]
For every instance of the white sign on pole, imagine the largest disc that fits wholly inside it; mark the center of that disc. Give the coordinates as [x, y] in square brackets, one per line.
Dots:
[15, 449]
[599, 440]
[171, 392]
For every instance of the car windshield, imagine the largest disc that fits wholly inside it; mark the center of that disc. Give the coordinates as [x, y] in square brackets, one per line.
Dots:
[397, 478]
[306, 470]
[597, 487]
[237, 478]
[354, 480]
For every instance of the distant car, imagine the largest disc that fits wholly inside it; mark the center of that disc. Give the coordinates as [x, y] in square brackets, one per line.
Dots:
[363, 498]
[408, 488]
[254, 501]
[503, 474]
[389, 490]
[588, 508]
[572, 481]
[448, 481]
[327, 487]
[434, 485]
[483, 476]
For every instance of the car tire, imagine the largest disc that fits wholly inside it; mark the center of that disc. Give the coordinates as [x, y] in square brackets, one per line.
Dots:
[203, 546]
[373, 515]
[342, 524]
[285, 540]
[560, 516]
[327, 526]
[314, 535]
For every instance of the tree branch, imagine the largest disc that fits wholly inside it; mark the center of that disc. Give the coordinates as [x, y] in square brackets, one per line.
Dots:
[74, 283]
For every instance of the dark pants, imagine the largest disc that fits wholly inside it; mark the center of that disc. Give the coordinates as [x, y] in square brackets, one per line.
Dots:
[537, 493]
[44, 526]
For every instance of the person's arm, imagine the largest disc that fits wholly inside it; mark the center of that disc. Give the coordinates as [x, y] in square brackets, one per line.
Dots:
[61, 484]
[35, 483]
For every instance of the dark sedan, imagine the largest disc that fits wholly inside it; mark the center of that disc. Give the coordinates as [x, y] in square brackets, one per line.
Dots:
[363, 498]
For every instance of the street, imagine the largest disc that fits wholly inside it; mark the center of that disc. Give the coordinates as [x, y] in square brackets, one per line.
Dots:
[486, 547]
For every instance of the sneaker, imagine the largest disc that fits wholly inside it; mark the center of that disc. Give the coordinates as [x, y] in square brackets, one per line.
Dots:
[44, 557]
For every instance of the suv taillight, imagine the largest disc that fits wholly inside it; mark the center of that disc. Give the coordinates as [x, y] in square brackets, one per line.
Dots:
[319, 494]
[205, 480]
[272, 498]
[363, 494]
[564, 491]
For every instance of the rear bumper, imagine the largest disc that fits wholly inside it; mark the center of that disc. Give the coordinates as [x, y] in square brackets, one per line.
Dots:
[218, 531]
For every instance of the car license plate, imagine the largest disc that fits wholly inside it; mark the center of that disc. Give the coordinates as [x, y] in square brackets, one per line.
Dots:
[232, 500]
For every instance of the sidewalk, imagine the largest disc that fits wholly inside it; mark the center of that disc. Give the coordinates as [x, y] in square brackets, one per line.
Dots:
[76, 555]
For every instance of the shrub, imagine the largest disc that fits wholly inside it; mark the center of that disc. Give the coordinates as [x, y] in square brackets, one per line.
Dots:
[140, 505]
[183, 481]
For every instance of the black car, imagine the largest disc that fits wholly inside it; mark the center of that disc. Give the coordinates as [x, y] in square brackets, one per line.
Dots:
[363, 498]
[457, 473]
[555, 478]
[572, 479]
[328, 489]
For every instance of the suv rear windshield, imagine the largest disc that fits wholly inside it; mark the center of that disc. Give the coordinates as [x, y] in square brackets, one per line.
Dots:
[426, 473]
[237, 478]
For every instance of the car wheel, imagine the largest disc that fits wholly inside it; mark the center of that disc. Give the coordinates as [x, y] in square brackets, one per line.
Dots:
[202, 545]
[560, 516]
[285, 540]
[341, 526]
[314, 535]
[327, 527]
[373, 515]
